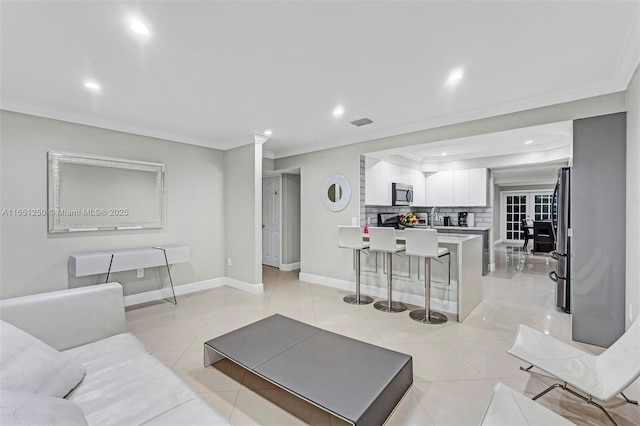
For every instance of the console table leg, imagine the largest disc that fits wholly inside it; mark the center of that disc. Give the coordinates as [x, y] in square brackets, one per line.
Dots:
[109, 271]
[166, 262]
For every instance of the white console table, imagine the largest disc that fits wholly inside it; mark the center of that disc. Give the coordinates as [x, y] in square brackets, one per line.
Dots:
[106, 262]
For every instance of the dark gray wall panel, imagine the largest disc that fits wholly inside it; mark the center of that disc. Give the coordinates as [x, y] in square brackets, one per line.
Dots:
[598, 222]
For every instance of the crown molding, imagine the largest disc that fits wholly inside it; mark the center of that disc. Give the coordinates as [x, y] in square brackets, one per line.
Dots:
[612, 86]
[630, 57]
[259, 139]
[105, 124]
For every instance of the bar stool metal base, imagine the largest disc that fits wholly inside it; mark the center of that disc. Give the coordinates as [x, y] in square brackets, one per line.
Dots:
[395, 306]
[353, 300]
[420, 315]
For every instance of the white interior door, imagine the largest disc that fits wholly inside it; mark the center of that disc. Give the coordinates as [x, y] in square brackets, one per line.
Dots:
[271, 221]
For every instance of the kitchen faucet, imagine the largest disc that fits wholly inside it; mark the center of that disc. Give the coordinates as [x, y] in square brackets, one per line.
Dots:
[433, 217]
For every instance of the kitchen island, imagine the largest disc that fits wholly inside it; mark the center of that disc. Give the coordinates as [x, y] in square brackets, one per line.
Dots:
[459, 296]
[483, 231]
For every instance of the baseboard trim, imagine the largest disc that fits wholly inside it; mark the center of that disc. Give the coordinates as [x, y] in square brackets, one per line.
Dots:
[165, 293]
[244, 286]
[414, 299]
[289, 266]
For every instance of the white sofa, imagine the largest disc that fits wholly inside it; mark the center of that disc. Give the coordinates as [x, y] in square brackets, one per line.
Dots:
[123, 384]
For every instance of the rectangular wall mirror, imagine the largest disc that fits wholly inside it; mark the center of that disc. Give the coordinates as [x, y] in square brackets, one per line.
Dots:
[92, 193]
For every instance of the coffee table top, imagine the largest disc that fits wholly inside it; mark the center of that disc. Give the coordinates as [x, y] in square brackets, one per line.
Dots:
[354, 380]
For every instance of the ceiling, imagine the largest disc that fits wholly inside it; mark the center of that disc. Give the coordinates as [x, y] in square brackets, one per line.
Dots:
[216, 73]
[525, 156]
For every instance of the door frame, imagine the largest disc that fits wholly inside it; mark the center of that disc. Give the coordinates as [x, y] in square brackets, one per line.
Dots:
[530, 193]
[279, 178]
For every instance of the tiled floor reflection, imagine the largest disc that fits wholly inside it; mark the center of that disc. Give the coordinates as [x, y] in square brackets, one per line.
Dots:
[455, 365]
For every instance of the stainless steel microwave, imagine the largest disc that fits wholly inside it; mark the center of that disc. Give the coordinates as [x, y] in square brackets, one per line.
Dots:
[401, 194]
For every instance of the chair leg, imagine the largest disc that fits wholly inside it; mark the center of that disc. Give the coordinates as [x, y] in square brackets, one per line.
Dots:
[389, 305]
[630, 401]
[357, 299]
[571, 391]
[426, 315]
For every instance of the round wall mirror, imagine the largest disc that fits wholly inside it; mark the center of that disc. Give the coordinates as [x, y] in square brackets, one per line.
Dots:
[336, 193]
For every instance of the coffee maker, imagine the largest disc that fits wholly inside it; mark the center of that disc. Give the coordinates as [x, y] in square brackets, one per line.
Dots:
[462, 219]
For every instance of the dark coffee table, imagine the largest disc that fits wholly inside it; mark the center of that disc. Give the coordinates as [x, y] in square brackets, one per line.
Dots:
[355, 381]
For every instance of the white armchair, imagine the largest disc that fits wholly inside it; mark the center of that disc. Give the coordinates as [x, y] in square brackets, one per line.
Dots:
[601, 377]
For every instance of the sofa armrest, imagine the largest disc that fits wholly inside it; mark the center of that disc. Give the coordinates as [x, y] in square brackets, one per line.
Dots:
[68, 318]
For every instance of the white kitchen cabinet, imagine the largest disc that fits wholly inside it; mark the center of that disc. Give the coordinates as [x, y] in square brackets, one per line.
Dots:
[371, 181]
[400, 174]
[439, 189]
[478, 191]
[387, 174]
[418, 181]
[378, 177]
[460, 187]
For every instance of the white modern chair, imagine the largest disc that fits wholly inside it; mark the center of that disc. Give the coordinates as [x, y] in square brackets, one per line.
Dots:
[424, 243]
[601, 377]
[384, 240]
[510, 408]
[351, 237]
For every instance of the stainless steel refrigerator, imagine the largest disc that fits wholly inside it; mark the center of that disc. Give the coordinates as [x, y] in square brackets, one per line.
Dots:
[561, 219]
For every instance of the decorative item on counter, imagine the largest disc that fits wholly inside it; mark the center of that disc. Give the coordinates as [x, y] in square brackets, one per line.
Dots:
[408, 219]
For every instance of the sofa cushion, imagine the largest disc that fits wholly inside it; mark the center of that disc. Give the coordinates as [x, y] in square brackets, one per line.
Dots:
[30, 365]
[124, 384]
[22, 409]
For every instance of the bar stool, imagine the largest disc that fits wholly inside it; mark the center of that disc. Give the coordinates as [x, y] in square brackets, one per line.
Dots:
[424, 243]
[351, 237]
[384, 240]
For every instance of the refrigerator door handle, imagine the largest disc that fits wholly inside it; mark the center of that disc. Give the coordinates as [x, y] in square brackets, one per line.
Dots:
[555, 255]
[553, 276]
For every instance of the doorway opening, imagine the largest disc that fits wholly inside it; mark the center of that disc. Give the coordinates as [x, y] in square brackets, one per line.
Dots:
[281, 220]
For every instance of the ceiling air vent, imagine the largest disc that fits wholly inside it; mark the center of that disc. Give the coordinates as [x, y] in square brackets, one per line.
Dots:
[361, 122]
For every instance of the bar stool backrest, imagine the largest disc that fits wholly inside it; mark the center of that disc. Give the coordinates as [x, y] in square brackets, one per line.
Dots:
[350, 237]
[382, 239]
[421, 242]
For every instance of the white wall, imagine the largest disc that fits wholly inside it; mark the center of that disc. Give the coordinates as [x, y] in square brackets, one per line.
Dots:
[34, 261]
[319, 252]
[633, 197]
[242, 226]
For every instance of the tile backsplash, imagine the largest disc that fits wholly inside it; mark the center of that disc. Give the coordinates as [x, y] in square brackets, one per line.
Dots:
[483, 215]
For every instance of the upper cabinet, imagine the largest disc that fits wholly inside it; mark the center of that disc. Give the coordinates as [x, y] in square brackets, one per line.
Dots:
[419, 188]
[479, 187]
[459, 188]
[378, 176]
[440, 189]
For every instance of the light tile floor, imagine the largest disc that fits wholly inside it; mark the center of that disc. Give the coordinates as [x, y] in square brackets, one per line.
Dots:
[455, 365]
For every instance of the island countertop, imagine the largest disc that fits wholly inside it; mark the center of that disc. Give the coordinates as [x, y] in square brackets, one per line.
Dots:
[466, 262]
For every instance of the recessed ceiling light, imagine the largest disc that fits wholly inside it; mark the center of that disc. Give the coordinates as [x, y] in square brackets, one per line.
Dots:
[339, 111]
[268, 132]
[92, 85]
[528, 142]
[137, 26]
[443, 154]
[455, 76]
